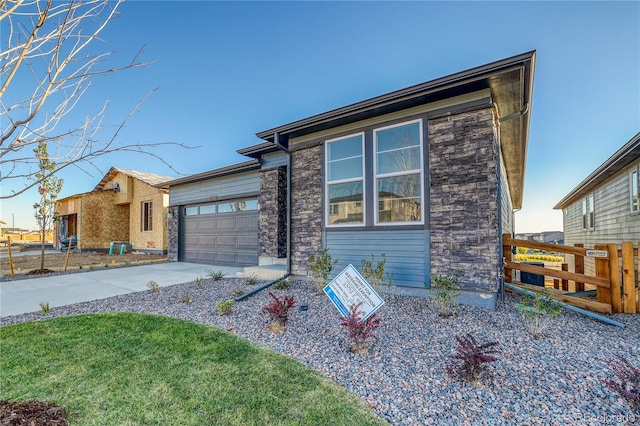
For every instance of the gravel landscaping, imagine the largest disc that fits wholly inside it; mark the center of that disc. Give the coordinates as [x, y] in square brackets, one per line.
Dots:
[554, 380]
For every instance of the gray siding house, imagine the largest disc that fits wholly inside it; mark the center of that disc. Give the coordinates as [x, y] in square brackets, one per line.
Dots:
[429, 175]
[605, 207]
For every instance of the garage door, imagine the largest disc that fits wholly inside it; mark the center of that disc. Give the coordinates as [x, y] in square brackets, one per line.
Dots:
[223, 233]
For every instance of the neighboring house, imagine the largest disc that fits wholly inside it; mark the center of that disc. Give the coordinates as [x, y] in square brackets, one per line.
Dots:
[605, 207]
[429, 175]
[124, 206]
[555, 237]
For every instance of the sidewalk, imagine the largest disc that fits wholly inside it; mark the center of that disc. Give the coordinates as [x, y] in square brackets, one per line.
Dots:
[22, 296]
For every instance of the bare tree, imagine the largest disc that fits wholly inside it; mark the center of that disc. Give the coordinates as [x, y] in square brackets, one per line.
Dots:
[50, 51]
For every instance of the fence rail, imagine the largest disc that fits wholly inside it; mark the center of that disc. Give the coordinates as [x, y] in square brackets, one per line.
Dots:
[615, 280]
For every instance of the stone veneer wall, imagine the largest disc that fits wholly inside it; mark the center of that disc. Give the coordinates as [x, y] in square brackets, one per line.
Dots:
[463, 169]
[306, 207]
[172, 229]
[273, 213]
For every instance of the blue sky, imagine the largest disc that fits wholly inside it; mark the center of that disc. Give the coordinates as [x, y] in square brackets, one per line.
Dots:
[227, 70]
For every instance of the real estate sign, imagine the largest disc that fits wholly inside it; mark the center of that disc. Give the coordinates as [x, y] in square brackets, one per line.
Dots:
[350, 288]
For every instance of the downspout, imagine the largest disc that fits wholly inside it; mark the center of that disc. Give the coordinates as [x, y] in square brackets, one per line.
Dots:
[570, 307]
[276, 142]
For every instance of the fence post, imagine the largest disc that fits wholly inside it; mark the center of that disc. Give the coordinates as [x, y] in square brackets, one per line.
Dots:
[628, 281]
[614, 278]
[602, 271]
[579, 268]
[506, 252]
[565, 283]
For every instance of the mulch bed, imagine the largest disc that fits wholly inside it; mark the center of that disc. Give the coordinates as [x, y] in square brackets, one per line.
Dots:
[32, 413]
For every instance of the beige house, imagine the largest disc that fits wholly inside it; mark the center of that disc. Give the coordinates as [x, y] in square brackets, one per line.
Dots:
[124, 207]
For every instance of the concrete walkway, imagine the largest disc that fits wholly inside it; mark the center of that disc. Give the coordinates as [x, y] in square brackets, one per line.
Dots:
[22, 296]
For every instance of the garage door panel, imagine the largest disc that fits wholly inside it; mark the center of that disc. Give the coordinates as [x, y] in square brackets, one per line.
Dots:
[227, 238]
[247, 241]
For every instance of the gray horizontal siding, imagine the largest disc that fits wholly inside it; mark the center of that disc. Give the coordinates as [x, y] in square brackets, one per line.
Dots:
[613, 221]
[207, 190]
[271, 161]
[407, 253]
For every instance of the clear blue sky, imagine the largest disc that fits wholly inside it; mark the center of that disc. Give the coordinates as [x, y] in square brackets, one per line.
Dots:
[227, 70]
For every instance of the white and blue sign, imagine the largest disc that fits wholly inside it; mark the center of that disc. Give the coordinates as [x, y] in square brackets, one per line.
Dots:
[350, 288]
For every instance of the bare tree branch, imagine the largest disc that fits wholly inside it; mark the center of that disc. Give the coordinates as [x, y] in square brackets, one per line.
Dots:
[48, 58]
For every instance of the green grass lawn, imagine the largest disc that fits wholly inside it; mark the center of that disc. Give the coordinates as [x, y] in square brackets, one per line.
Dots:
[131, 369]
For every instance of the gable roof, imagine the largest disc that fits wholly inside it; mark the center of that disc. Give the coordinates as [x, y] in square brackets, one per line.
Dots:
[148, 178]
[629, 153]
[510, 81]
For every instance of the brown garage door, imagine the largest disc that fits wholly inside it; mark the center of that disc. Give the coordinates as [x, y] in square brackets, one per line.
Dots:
[224, 233]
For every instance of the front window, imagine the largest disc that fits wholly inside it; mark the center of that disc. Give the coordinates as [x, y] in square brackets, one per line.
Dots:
[147, 216]
[398, 173]
[634, 195]
[588, 213]
[345, 180]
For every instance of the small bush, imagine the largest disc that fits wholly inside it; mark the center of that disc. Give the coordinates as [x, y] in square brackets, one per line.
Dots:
[225, 307]
[321, 267]
[153, 286]
[199, 282]
[44, 308]
[278, 309]
[627, 383]
[375, 274]
[471, 359]
[215, 275]
[282, 285]
[251, 280]
[444, 293]
[538, 311]
[360, 332]
[186, 299]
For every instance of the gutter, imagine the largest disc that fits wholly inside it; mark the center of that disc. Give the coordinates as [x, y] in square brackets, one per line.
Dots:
[277, 143]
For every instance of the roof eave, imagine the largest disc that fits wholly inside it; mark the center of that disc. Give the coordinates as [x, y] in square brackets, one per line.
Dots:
[250, 165]
[628, 153]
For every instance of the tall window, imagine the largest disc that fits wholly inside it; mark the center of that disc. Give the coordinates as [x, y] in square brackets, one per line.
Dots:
[147, 216]
[398, 173]
[588, 213]
[345, 180]
[634, 195]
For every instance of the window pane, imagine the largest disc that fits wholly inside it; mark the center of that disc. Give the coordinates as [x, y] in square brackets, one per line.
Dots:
[398, 137]
[344, 158]
[348, 168]
[345, 203]
[190, 211]
[401, 160]
[227, 207]
[208, 209]
[247, 205]
[400, 199]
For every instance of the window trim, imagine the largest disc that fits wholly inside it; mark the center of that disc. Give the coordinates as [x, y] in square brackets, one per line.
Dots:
[635, 171]
[327, 182]
[146, 216]
[376, 200]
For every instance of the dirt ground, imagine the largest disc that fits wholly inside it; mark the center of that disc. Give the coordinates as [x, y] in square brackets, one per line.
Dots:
[26, 263]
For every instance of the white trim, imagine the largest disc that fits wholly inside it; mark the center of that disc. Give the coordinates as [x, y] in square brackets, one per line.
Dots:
[636, 171]
[419, 171]
[362, 179]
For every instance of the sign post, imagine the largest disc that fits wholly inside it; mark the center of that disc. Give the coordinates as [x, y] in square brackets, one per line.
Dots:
[350, 288]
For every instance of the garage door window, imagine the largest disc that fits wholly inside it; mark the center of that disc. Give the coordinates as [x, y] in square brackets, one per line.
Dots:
[244, 205]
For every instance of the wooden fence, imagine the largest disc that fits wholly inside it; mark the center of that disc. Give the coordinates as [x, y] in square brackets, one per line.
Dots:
[615, 279]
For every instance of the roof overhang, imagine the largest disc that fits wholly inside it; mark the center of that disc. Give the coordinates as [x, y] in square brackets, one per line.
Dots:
[626, 155]
[211, 174]
[511, 84]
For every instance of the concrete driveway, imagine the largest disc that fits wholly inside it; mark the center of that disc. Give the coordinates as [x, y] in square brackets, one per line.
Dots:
[22, 296]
